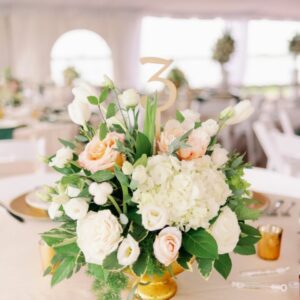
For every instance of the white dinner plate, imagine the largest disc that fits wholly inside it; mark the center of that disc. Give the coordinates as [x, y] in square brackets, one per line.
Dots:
[33, 200]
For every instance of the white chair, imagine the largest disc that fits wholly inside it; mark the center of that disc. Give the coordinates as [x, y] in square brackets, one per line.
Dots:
[282, 150]
[19, 157]
[285, 121]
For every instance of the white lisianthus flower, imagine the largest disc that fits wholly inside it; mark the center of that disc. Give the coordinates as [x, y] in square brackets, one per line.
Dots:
[76, 208]
[210, 127]
[73, 191]
[154, 217]
[107, 81]
[190, 118]
[129, 98]
[167, 244]
[128, 251]
[83, 91]
[127, 168]
[219, 156]
[79, 112]
[98, 235]
[62, 157]
[53, 210]
[100, 191]
[226, 231]
[139, 174]
[238, 113]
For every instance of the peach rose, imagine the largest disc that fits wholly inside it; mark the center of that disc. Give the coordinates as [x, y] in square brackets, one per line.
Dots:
[101, 155]
[167, 244]
[198, 140]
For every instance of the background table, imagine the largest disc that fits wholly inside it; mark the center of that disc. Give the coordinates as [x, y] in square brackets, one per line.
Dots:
[21, 273]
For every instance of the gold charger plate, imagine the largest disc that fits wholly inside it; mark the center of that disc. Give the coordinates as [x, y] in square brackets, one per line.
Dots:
[262, 201]
[21, 208]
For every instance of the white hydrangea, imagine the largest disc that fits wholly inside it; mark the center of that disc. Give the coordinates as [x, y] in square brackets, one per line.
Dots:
[191, 191]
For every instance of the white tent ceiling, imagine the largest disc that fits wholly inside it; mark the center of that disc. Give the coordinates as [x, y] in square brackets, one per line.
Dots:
[276, 9]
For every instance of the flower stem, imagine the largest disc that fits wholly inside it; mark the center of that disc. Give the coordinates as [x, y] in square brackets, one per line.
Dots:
[115, 204]
[102, 115]
[119, 106]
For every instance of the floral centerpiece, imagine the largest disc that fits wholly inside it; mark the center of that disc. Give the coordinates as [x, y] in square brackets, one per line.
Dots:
[294, 48]
[136, 200]
[70, 74]
[177, 77]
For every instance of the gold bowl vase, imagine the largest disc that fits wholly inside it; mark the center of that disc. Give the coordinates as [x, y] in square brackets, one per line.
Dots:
[158, 287]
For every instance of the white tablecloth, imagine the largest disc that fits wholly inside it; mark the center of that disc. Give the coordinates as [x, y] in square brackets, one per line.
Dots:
[21, 274]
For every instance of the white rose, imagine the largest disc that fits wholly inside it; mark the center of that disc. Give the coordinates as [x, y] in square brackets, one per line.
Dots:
[127, 168]
[53, 210]
[73, 191]
[83, 91]
[62, 157]
[76, 208]
[79, 112]
[154, 217]
[100, 191]
[98, 235]
[210, 127]
[139, 174]
[167, 244]
[226, 231]
[128, 251]
[239, 113]
[219, 156]
[129, 98]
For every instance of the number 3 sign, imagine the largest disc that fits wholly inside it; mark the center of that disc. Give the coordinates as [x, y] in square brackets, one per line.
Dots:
[170, 85]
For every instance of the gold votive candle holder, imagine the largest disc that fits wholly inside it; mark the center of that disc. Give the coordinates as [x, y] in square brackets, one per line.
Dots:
[47, 254]
[269, 245]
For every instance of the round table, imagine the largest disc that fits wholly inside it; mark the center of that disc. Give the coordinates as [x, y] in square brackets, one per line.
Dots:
[21, 273]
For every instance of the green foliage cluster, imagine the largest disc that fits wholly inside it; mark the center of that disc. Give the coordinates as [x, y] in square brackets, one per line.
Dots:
[224, 48]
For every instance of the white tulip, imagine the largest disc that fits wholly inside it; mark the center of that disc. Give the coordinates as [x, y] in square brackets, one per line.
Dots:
[210, 127]
[238, 113]
[127, 168]
[226, 231]
[129, 98]
[98, 235]
[83, 91]
[79, 112]
[62, 157]
[76, 208]
[53, 210]
[128, 251]
[73, 191]
[100, 191]
[219, 156]
[154, 217]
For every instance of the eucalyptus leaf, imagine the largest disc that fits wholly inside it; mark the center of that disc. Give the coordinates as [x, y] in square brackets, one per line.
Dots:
[101, 176]
[67, 144]
[103, 95]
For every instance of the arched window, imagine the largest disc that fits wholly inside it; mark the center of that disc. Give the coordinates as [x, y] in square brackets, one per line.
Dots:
[84, 50]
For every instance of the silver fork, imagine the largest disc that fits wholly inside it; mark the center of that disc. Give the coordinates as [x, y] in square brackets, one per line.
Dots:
[287, 213]
[274, 211]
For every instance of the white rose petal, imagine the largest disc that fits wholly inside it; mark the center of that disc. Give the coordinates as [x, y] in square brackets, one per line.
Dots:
[210, 127]
[76, 208]
[127, 168]
[98, 235]
[79, 112]
[73, 191]
[62, 157]
[53, 210]
[167, 245]
[226, 231]
[154, 217]
[129, 98]
[219, 156]
[128, 251]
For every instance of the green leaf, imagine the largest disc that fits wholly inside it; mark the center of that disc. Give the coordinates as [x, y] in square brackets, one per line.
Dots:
[96, 271]
[111, 110]
[67, 144]
[179, 116]
[200, 244]
[102, 175]
[248, 240]
[140, 266]
[64, 270]
[69, 249]
[149, 120]
[197, 124]
[179, 142]
[47, 271]
[245, 250]
[223, 265]
[111, 262]
[143, 146]
[134, 216]
[122, 178]
[93, 100]
[138, 232]
[205, 266]
[249, 230]
[81, 138]
[65, 170]
[118, 128]
[102, 131]
[184, 259]
[245, 213]
[142, 161]
[104, 93]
